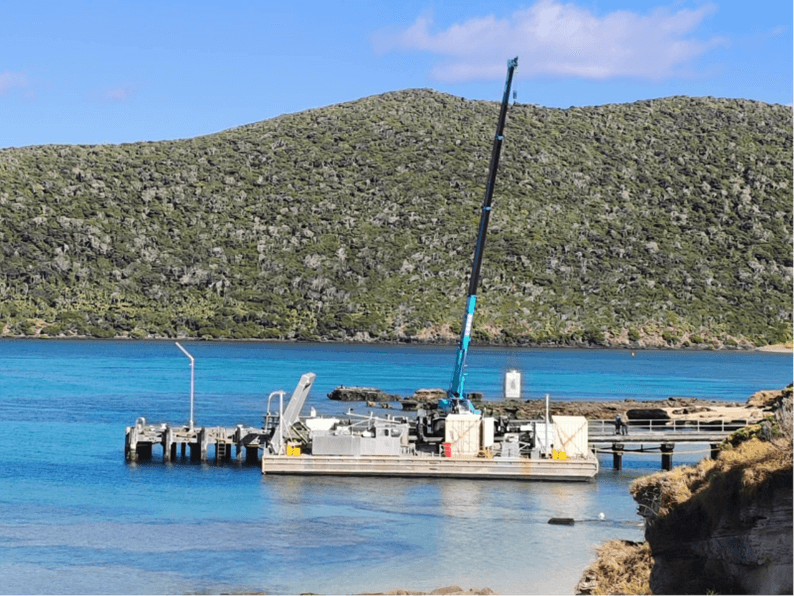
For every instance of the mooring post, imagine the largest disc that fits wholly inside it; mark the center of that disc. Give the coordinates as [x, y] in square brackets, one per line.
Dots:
[169, 447]
[715, 450]
[617, 456]
[667, 455]
[204, 443]
[130, 444]
[238, 442]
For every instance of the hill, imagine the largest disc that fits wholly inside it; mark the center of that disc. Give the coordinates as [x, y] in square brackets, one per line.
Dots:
[661, 222]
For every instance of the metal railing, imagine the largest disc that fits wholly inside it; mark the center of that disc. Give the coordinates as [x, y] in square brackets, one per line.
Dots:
[607, 427]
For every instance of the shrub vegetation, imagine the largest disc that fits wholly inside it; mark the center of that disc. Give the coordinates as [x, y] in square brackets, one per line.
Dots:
[358, 221]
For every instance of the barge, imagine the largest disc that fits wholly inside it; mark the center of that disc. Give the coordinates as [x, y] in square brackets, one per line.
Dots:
[495, 468]
[462, 445]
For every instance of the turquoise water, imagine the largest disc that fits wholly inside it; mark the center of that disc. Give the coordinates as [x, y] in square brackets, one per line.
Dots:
[75, 518]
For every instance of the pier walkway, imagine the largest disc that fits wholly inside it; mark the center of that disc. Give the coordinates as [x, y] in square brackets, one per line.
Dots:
[659, 436]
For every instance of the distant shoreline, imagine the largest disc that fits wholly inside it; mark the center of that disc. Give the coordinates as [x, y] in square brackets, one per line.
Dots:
[775, 348]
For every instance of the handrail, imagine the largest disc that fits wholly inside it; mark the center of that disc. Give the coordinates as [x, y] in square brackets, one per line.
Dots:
[674, 425]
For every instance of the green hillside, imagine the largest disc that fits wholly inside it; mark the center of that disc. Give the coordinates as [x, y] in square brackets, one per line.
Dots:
[666, 221]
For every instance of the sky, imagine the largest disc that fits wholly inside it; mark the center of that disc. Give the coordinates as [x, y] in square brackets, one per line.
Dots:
[122, 71]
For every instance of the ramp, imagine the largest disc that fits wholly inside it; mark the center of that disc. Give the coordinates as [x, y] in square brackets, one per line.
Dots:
[292, 412]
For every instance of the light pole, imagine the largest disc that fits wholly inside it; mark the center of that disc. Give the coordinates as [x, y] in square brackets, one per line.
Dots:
[192, 382]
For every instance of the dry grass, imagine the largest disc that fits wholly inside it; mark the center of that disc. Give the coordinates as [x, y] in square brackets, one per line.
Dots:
[621, 567]
[667, 490]
[706, 490]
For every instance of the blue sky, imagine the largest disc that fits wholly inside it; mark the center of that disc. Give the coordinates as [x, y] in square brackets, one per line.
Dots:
[86, 72]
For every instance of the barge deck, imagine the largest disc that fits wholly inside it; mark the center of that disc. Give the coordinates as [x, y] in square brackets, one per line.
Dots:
[418, 466]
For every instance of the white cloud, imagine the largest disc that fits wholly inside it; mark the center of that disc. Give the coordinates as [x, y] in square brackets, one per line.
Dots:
[12, 80]
[556, 39]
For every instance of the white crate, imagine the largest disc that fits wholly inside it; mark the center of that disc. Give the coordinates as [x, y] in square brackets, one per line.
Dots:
[462, 431]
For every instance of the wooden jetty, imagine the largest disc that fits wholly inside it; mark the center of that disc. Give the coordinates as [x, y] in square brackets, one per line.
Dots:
[661, 436]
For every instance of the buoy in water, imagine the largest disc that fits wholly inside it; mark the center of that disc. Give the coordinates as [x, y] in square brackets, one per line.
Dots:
[601, 516]
[561, 521]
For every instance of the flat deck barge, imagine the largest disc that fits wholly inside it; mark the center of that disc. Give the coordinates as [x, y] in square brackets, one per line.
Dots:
[417, 466]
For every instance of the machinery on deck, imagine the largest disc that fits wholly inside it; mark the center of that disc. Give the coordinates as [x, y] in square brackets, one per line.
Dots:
[457, 400]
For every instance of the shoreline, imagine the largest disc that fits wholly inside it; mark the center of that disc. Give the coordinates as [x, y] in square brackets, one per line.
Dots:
[772, 349]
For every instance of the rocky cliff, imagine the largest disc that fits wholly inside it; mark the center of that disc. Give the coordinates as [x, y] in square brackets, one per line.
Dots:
[740, 550]
[726, 525]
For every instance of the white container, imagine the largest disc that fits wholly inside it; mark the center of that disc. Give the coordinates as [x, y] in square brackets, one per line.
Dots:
[570, 435]
[513, 384]
[462, 431]
[487, 432]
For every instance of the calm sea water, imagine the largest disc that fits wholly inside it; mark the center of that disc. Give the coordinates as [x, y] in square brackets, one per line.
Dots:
[76, 519]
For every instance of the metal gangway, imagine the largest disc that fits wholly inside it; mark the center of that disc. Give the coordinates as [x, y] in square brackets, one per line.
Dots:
[660, 436]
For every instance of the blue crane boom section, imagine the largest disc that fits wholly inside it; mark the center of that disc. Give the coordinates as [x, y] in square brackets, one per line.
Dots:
[457, 399]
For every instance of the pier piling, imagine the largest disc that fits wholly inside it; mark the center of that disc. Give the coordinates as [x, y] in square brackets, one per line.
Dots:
[251, 455]
[144, 451]
[169, 446]
[617, 455]
[667, 455]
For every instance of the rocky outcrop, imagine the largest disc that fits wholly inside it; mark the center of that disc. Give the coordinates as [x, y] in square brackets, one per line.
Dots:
[368, 394]
[747, 551]
[723, 526]
[428, 394]
[763, 398]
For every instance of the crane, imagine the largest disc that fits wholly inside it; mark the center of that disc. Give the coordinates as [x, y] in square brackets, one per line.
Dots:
[456, 399]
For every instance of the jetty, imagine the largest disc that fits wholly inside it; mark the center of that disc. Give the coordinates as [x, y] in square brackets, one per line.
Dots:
[646, 436]
[141, 438]
[244, 442]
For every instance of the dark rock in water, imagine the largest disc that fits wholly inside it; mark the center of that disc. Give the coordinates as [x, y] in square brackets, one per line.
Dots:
[409, 405]
[368, 394]
[648, 414]
[562, 521]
